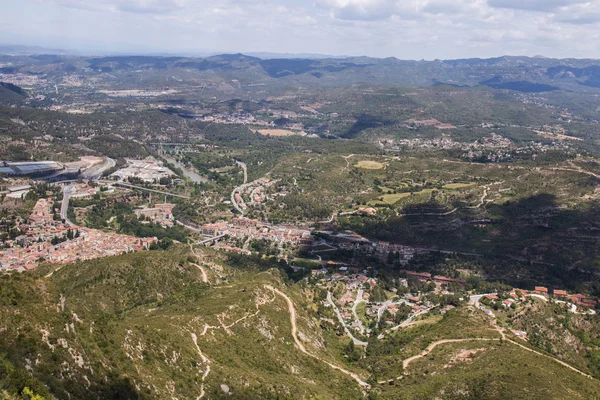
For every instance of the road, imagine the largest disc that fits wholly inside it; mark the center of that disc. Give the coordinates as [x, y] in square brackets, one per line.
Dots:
[474, 300]
[339, 315]
[299, 344]
[388, 303]
[358, 300]
[235, 204]
[573, 308]
[240, 189]
[95, 172]
[188, 226]
[243, 165]
[476, 297]
[64, 208]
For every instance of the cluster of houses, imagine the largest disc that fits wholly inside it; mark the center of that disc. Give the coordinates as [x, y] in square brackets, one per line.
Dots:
[356, 290]
[254, 229]
[578, 299]
[74, 244]
[521, 294]
[255, 191]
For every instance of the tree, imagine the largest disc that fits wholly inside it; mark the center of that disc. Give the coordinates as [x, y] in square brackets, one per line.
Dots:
[351, 353]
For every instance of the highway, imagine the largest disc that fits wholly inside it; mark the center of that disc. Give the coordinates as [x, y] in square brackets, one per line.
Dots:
[64, 208]
[95, 172]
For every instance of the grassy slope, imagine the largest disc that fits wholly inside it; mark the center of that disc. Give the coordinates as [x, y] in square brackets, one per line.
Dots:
[127, 326]
[124, 329]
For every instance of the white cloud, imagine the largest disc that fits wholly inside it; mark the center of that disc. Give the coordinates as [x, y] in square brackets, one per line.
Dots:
[404, 28]
[534, 5]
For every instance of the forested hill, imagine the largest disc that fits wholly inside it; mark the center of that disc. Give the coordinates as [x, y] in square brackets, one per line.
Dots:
[516, 73]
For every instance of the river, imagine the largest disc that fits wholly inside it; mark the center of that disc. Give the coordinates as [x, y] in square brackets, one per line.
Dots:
[193, 175]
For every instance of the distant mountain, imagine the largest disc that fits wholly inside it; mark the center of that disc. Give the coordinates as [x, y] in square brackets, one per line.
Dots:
[523, 74]
[311, 56]
[32, 50]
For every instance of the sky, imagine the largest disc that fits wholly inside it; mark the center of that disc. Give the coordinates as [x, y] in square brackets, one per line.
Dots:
[406, 29]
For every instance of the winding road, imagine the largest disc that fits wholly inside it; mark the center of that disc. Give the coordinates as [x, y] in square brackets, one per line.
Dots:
[358, 300]
[245, 168]
[299, 344]
[339, 315]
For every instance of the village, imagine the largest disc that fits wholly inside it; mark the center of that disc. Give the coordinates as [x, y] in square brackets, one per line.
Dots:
[246, 228]
[47, 238]
[360, 307]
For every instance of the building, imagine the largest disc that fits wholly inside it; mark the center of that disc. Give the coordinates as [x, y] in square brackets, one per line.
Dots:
[421, 276]
[560, 293]
[581, 299]
[541, 290]
[444, 281]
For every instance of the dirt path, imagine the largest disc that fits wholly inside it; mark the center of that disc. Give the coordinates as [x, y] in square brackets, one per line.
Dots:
[299, 344]
[206, 361]
[346, 158]
[202, 270]
[406, 362]
[53, 271]
[433, 345]
[204, 276]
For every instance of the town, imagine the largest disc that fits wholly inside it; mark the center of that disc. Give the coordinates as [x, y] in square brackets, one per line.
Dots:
[46, 238]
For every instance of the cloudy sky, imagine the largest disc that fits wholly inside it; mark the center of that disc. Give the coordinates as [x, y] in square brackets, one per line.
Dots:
[407, 29]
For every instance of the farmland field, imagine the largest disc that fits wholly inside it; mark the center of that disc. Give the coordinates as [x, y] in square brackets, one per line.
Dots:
[367, 164]
[276, 132]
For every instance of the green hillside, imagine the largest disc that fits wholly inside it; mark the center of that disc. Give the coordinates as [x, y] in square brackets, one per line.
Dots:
[146, 326]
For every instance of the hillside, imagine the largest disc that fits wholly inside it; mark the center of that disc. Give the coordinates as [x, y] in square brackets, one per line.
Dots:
[522, 74]
[148, 326]
[144, 326]
[10, 94]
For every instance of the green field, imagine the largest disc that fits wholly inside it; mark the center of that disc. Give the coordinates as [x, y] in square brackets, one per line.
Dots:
[458, 185]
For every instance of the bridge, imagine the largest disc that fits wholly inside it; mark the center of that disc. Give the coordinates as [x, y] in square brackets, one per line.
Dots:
[127, 185]
[212, 239]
